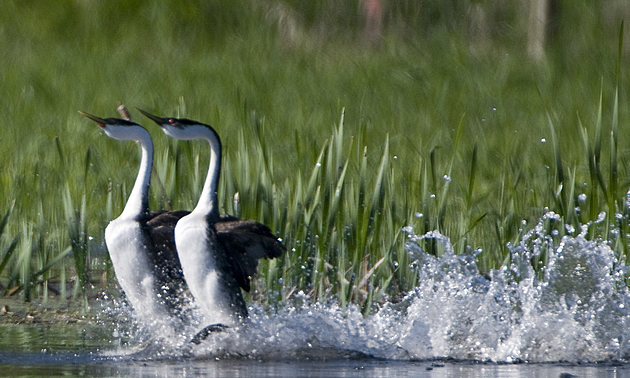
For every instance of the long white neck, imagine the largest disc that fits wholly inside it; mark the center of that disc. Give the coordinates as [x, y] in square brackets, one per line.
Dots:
[138, 202]
[208, 201]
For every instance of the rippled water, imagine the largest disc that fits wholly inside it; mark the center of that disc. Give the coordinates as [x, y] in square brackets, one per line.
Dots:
[575, 312]
[331, 368]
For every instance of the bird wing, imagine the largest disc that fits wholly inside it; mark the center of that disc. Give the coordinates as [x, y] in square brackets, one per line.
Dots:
[245, 242]
[160, 227]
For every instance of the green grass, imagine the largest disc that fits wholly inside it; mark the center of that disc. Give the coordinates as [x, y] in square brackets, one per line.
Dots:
[334, 144]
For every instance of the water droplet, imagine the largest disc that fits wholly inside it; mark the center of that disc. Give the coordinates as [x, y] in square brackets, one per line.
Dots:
[447, 178]
[621, 305]
[318, 165]
[432, 196]
[543, 140]
[554, 232]
[418, 215]
[582, 197]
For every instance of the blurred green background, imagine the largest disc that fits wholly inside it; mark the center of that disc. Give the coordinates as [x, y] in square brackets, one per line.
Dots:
[449, 115]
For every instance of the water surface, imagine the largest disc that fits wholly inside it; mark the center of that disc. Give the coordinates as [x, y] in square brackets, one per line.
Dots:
[571, 318]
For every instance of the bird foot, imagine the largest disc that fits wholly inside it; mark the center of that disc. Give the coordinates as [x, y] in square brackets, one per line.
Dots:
[204, 333]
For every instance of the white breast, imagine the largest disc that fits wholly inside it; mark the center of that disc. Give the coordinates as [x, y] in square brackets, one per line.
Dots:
[198, 259]
[129, 256]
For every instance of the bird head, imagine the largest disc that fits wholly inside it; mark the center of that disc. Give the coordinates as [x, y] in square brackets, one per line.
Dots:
[119, 129]
[180, 128]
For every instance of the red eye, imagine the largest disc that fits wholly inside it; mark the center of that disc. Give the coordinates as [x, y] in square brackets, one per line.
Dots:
[171, 121]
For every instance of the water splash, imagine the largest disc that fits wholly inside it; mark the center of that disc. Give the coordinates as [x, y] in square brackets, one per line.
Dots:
[575, 310]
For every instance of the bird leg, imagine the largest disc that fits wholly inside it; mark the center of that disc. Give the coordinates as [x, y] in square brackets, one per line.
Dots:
[204, 333]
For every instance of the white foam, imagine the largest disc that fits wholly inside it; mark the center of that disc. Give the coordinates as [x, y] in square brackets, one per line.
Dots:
[576, 311]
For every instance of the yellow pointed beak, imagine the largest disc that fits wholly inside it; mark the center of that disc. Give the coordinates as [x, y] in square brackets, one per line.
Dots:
[96, 119]
[156, 119]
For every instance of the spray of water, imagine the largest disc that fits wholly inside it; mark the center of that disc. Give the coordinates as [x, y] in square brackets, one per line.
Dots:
[575, 310]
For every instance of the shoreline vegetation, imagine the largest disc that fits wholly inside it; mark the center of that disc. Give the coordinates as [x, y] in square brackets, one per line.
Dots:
[341, 126]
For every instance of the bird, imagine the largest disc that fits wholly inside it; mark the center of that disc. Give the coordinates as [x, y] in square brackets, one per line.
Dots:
[219, 254]
[140, 242]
